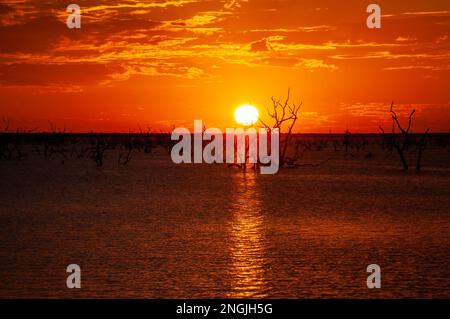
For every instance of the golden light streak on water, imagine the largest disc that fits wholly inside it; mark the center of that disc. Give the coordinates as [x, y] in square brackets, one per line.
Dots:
[247, 240]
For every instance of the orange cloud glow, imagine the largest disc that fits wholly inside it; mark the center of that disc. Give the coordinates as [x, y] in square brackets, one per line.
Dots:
[168, 62]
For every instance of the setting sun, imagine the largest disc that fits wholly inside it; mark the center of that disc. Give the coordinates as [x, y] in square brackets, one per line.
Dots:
[246, 115]
[223, 154]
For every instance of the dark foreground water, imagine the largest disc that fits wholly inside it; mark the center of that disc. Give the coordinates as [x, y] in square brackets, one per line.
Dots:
[157, 230]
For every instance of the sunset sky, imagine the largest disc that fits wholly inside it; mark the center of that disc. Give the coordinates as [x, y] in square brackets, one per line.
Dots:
[168, 62]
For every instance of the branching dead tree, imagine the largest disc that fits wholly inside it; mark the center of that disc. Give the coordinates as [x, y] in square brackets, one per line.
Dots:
[11, 144]
[55, 143]
[401, 144]
[347, 142]
[283, 113]
[99, 145]
[147, 140]
[129, 145]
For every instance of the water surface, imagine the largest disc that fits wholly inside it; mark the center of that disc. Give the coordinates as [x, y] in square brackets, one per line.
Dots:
[158, 230]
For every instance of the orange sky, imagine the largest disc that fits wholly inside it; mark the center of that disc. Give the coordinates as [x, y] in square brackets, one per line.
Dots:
[168, 62]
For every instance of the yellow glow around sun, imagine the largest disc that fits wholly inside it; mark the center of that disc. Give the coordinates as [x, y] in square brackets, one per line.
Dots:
[246, 115]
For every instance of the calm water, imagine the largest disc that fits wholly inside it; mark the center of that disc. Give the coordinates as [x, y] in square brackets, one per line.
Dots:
[154, 229]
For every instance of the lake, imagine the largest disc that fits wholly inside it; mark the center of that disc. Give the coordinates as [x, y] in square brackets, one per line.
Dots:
[153, 229]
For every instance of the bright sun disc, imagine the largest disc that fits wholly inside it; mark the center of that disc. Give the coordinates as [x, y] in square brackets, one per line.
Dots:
[246, 115]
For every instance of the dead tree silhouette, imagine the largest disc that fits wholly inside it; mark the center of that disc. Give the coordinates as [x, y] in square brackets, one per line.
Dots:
[55, 143]
[347, 142]
[401, 145]
[99, 145]
[421, 145]
[147, 143]
[125, 156]
[283, 113]
[401, 142]
[11, 143]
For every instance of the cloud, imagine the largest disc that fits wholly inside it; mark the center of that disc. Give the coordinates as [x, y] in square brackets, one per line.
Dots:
[313, 64]
[372, 110]
[374, 114]
[260, 45]
[387, 55]
[306, 29]
[423, 13]
[136, 5]
[29, 74]
[417, 14]
[231, 4]
[405, 39]
[185, 38]
[37, 35]
[419, 67]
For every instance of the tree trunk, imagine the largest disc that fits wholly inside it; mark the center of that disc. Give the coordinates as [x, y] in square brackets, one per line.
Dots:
[402, 158]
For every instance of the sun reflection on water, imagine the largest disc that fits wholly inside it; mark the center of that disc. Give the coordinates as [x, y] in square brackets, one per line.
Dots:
[247, 240]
